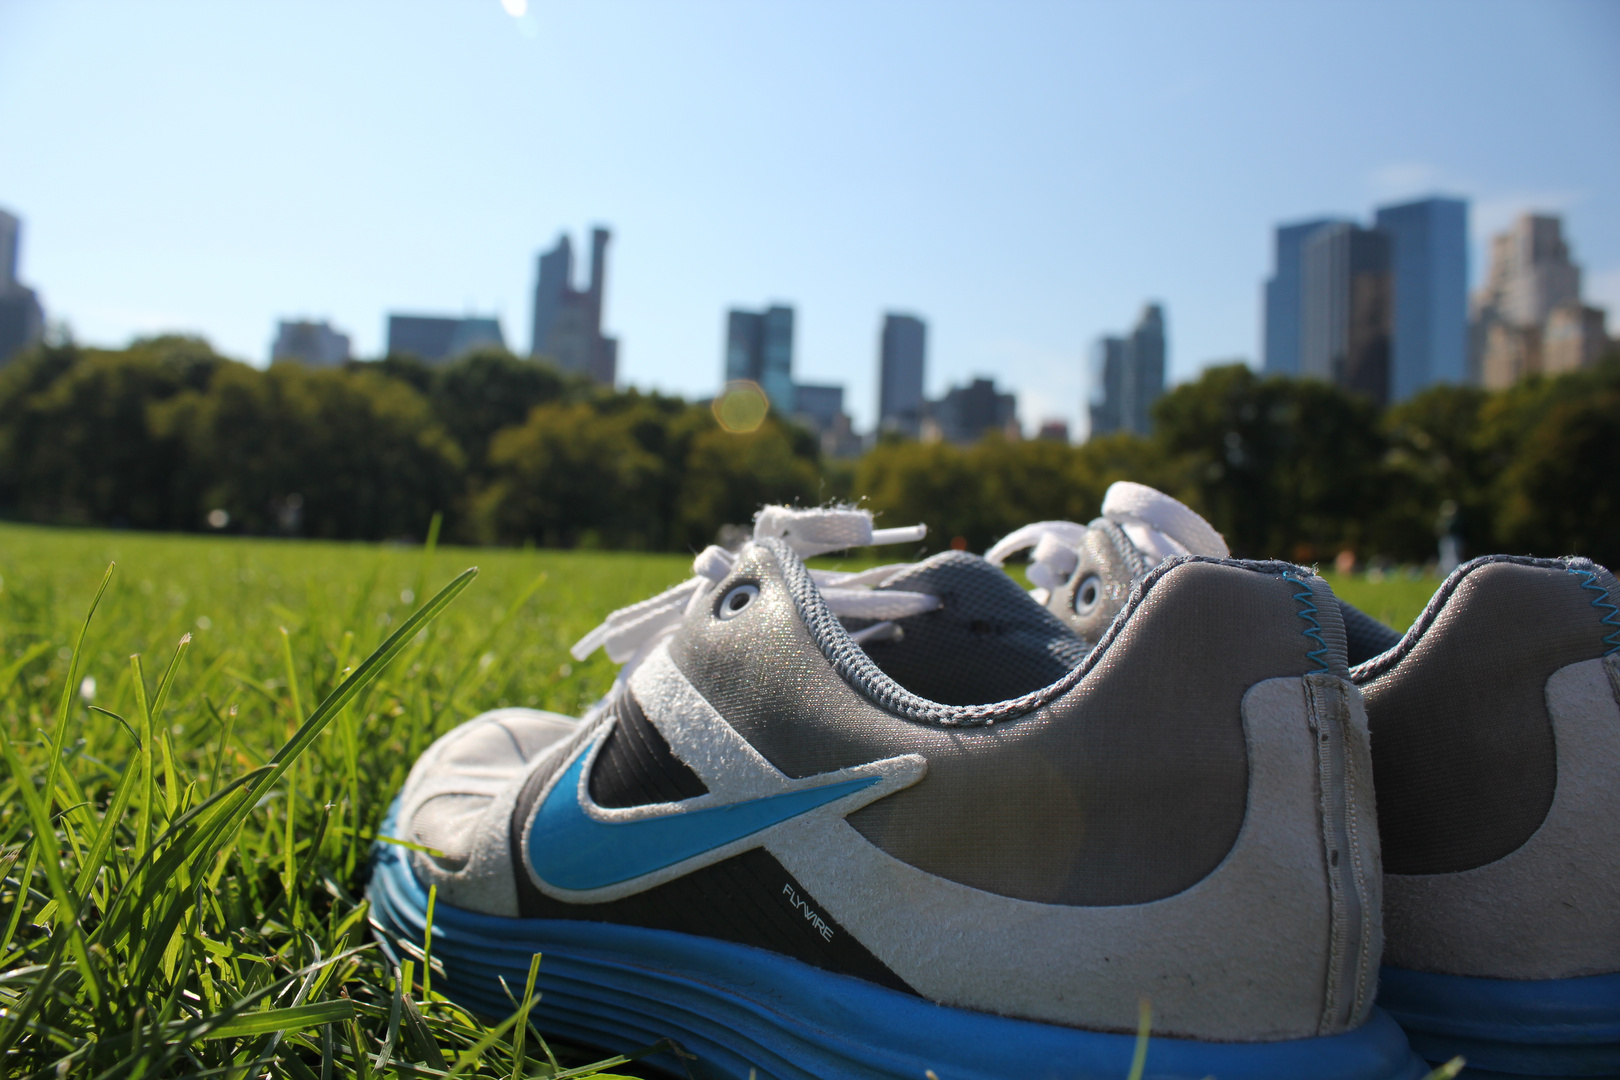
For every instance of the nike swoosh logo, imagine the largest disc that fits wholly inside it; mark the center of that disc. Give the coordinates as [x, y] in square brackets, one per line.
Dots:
[569, 849]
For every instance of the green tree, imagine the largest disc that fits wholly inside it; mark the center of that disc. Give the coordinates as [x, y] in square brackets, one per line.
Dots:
[1282, 467]
[489, 389]
[77, 445]
[935, 484]
[727, 477]
[1555, 447]
[570, 476]
[344, 454]
[1434, 458]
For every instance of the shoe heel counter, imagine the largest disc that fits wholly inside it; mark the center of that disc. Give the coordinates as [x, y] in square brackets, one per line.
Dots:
[1281, 938]
[1546, 909]
[1347, 822]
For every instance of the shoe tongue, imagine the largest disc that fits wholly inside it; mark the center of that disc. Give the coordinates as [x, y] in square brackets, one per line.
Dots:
[988, 641]
[1159, 525]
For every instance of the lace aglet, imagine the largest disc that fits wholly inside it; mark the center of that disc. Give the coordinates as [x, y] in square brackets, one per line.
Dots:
[908, 534]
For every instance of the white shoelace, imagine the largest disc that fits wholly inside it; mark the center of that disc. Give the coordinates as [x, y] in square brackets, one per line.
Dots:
[630, 634]
[1158, 525]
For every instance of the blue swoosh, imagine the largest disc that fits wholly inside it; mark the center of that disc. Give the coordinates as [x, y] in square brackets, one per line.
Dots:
[572, 850]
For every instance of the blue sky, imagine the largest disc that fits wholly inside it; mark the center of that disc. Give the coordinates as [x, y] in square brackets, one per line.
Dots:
[1023, 175]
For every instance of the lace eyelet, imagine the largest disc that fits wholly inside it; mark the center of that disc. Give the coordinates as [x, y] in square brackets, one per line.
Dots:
[1087, 594]
[737, 600]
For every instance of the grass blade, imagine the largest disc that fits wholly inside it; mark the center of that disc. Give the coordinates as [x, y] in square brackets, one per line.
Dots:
[71, 687]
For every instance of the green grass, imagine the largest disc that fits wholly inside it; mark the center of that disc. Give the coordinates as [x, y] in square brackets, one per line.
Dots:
[1396, 600]
[164, 934]
[192, 905]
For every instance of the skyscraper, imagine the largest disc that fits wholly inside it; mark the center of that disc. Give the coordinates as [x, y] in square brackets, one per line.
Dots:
[22, 320]
[967, 413]
[1283, 292]
[759, 348]
[1107, 385]
[902, 360]
[776, 357]
[1530, 304]
[743, 329]
[554, 277]
[567, 327]
[820, 405]
[1346, 309]
[1127, 376]
[1145, 357]
[438, 338]
[10, 249]
[1429, 283]
[314, 343]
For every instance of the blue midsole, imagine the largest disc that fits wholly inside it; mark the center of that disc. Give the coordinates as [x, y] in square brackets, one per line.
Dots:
[1583, 1010]
[740, 1008]
[1564, 1027]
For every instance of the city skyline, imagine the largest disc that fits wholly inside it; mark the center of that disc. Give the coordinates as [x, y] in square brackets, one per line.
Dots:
[952, 166]
[1382, 311]
[1343, 304]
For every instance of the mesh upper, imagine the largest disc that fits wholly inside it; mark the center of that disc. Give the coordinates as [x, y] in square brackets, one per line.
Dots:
[988, 641]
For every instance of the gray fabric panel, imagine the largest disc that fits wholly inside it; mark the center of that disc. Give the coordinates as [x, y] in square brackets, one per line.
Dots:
[1125, 782]
[1108, 555]
[987, 642]
[851, 662]
[1462, 744]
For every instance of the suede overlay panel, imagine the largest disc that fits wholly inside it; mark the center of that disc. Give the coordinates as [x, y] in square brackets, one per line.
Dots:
[1128, 788]
[635, 766]
[1462, 745]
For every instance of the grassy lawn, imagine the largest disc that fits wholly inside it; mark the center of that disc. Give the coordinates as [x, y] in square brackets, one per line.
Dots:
[1396, 600]
[219, 934]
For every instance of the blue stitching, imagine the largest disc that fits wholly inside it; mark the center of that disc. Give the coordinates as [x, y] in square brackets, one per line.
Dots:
[1612, 638]
[1308, 613]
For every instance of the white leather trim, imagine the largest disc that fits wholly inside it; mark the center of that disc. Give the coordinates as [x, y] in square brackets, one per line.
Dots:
[729, 767]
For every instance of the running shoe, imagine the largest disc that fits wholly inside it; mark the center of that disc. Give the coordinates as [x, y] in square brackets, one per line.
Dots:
[1496, 750]
[1084, 573]
[1496, 757]
[872, 825]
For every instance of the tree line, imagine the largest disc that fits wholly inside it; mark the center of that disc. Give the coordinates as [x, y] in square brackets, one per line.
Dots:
[166, 434]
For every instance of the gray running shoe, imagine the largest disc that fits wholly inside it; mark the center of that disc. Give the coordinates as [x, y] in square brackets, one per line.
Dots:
[1496, 749]
[1083, 574]
[872, 825]
[1496, 754]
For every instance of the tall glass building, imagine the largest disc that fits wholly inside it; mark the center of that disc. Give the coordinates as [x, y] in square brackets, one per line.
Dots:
[1284, 298]
[1345, 309]
[1127, 375]
[1429, 280]
[759, 348]
[776, 358]
[902, 357]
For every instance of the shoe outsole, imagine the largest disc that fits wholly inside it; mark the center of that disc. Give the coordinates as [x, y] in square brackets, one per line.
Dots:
[1526, 1027]
[745, 1011]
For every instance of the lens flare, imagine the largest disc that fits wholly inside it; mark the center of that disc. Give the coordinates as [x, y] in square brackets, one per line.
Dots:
[741, 407]
[515, 8]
